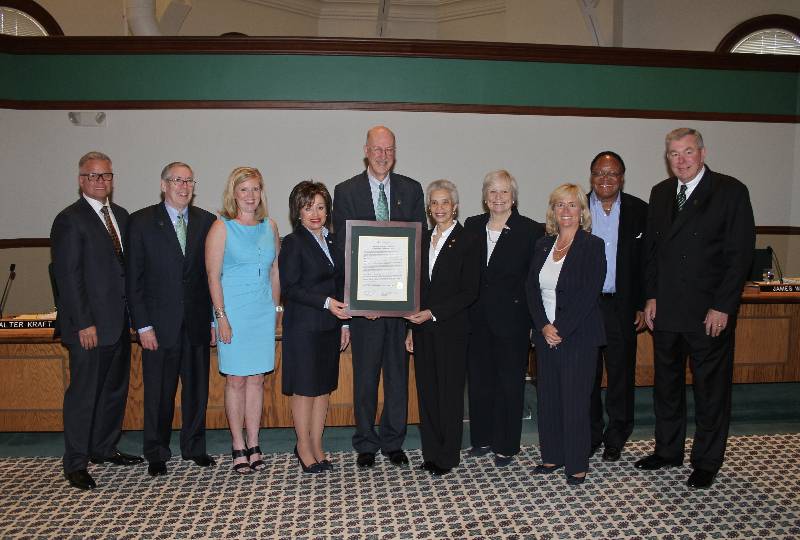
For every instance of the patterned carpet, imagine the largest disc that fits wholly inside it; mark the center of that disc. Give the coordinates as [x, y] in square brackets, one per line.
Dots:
[755, 496]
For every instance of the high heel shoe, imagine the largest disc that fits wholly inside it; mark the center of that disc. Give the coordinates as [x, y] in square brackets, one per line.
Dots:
[546, 469]
[241, 468]
[314, 468]
[258, 464]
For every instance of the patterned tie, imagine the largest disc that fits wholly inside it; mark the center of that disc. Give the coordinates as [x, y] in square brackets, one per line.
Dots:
[382, 212]
[180, 230]
[681, 197]
[112, 232]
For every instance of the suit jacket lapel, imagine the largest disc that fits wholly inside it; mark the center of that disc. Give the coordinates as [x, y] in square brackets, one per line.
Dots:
[363, 198]
[693, 204]
[97, 222]
[313, 245]
[444, 252]
[193, 235]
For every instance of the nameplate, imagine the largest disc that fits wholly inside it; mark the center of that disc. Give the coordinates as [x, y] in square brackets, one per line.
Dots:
[26, 324]
[781, 288]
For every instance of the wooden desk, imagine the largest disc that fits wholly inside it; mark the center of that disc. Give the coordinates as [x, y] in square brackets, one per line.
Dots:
[34, 372]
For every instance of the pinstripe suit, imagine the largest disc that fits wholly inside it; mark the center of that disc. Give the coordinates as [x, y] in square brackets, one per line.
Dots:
[566, 372]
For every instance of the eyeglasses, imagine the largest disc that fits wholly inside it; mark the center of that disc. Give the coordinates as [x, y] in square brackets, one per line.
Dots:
[378, 150]
[561, 205]
[606, 174]
[97, 177]
[177, 181]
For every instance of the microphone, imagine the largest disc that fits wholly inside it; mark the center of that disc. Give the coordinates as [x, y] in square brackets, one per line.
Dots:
[4, 298]
[777, 264]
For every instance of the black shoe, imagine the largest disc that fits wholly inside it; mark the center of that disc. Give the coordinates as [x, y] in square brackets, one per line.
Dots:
[573, 480]
[326, 464]
[701, 479]
[398, 457]
[203, 460]
[440, 471]
[118, 458]
[242, 467]
[427, 466]
[546, 469]
[157, 468]
[478, 451]
[259, 464]
[654, 462]
[595, 447]
[502, 461]
[80, 479]
[366, 459]
[611, 453]
[314, 468]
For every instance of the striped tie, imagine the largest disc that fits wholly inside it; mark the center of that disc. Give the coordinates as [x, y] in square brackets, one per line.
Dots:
[681, 197]
[180, 230]
[112, 232]
[382, 212]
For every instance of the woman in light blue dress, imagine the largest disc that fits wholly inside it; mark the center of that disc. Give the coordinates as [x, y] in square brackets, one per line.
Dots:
[242, 265]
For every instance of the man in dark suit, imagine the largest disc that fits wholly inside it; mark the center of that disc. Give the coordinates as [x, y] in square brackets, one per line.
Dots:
[89, 271]
[620, 220]
[700, 238]
[171, 310]
[378, 194]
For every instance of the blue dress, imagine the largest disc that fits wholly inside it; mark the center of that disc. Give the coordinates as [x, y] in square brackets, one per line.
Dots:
[249, 252]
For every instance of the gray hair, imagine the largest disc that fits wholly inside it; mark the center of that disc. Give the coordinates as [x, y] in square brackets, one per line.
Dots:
[166, 170]
[446, 185]
[680, 133]
[500, 174]
[94, 155]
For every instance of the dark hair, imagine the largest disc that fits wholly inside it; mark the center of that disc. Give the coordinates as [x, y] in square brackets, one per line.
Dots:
[608, 153]
[302, 195]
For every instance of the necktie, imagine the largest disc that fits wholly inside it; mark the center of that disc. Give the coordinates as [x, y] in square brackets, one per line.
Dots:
[112, 232]
[382, 212]
[681, 197]
[180, 230]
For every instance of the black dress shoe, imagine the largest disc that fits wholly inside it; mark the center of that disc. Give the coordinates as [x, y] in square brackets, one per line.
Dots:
[366, 459]
[203, 460]
[118, 458]
[654, 462]
[440, 471]
[611, 453]
[701, 479]
[157, 468]
[478, 451]
[398, 457]
[502, 461]
[546, 469]
[80, 479]
[427, 466]
[573, 480]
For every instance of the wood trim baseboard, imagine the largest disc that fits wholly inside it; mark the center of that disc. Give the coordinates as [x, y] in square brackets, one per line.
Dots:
[474, 50]
[6, 243]
[400, 106]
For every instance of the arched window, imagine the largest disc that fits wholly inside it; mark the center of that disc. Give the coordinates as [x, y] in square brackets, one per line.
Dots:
[26, 18]
[768, 34]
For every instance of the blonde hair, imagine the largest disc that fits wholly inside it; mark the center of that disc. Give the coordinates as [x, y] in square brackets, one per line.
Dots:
[496, 176]
[562, 192]
[230, 209]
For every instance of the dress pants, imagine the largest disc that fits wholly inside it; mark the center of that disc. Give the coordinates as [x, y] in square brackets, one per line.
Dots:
[619, 355]
[565, 375]
[440, 367]
[712, 373]
[496, 367]
[379, 345]
[160, 372]
[94, 402]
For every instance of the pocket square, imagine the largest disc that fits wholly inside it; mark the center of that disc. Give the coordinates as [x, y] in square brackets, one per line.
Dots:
[638, 236]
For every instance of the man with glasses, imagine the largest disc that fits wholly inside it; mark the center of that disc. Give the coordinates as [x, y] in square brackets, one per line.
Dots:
[171, 311]
[620, 220]
[378, 194]
[88, 265]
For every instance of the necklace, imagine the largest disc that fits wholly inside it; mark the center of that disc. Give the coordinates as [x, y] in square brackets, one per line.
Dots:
[489, 236]
[557, 250]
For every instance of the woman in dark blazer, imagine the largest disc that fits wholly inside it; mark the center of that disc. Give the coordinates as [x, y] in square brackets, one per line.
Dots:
[500, 322]
[564, 286]
[312, 278]
[449, 282]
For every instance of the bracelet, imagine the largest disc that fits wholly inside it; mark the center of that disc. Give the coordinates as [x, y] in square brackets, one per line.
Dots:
[219, 312]
[278, 309]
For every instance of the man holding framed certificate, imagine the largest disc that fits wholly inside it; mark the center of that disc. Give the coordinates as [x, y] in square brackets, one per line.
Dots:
[378, 195]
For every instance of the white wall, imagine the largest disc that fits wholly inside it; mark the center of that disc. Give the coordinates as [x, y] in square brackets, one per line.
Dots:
[39, 151]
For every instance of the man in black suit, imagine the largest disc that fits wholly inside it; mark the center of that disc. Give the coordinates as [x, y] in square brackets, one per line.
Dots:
[171, 310]
[700, 238]
[89, 271]
[377, 194]
[620, 220]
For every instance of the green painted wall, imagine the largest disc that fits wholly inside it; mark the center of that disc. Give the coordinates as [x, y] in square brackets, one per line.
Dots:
[394, 79]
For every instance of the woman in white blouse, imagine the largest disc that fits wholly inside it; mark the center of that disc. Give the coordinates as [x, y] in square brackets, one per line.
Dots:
[448, 286]
[564, 286]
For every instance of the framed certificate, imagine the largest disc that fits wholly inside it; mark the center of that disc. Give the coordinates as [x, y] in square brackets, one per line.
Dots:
[382, 263]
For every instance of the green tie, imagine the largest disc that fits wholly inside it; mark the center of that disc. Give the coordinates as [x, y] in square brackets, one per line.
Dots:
[382, 212]
[180, 230]
[681, 197]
